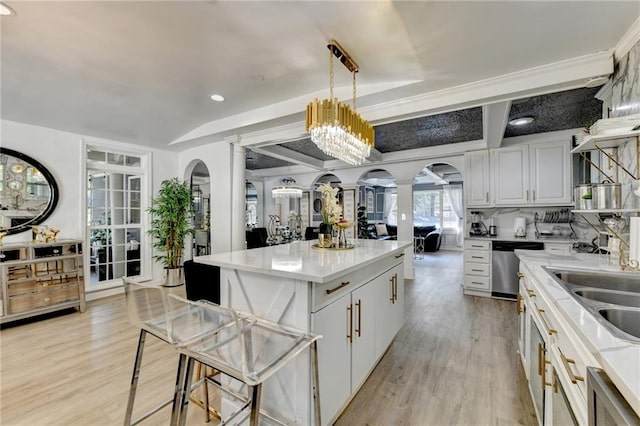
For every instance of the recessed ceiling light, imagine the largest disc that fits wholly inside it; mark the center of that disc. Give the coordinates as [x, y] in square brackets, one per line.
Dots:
[521, 121]
[6, 10]
[217, 98]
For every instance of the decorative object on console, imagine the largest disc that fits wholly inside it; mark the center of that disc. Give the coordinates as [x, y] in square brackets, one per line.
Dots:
[336, 129]
[171, 211]
[331, 212]
[2, 235]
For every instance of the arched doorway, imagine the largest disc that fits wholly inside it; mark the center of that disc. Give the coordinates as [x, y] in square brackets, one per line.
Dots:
[377, 205]
[438, 202]
[316, 201]
[200, 205]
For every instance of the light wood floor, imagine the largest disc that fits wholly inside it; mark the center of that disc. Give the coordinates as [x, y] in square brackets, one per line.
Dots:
[453, 362]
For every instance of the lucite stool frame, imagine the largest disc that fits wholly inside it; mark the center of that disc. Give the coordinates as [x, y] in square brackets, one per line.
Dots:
[176, 324]
[238, 352]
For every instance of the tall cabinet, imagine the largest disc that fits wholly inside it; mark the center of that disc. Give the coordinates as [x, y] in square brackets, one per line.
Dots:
[38, 278]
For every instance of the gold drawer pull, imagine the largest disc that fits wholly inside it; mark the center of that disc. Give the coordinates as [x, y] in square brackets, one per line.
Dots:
[550, 330]
[520, 275]
[350, 334]
[344, 284]
[398, 256]
[518, 303]
[359, 326]
[566, 361]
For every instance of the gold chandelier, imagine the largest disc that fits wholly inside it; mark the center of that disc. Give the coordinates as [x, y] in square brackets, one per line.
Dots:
[334, 127]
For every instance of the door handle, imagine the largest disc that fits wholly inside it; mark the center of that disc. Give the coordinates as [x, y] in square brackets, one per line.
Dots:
[392, 290]
[359, 326]
[350, 334]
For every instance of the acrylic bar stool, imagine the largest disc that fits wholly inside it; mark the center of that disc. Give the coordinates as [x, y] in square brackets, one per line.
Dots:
[250, 352]
[148, 308]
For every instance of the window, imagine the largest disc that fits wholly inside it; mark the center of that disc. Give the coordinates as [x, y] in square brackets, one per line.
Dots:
[115, 187]
[432, 207]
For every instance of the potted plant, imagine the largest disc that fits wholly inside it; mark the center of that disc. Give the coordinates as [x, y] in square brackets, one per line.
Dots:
[587, 201]
[170, 225]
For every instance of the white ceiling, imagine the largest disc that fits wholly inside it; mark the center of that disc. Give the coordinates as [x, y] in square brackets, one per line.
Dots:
[141, 72]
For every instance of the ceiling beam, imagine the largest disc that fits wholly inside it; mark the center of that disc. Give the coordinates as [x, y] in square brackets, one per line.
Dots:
[286, 154]
[494, 122]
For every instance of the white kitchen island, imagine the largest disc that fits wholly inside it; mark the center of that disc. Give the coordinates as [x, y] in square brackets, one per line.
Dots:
[353, 298]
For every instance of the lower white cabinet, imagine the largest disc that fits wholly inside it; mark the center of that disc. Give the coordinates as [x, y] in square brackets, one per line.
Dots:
[357, 329]
[477, 268]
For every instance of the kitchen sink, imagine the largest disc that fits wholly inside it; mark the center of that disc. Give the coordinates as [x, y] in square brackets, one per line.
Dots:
[606, 281]
[627, 320]
[613, 298]
[617, 298]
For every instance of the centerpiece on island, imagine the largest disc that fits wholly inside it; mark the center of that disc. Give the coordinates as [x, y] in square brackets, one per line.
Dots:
[331, 212]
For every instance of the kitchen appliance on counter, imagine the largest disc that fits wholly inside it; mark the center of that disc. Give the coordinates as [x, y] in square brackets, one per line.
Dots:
[505, 264]
[493, 230]
[477, 228]
[520, 227]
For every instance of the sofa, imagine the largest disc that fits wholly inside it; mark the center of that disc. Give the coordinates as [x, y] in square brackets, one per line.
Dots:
[431, 234]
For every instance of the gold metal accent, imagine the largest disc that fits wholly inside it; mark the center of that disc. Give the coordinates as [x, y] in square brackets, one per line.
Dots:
[350, 334]
[359, 326]
[584, 156]
[542, 370]
[392, 290]
[395, 293]
[615, 161]
[566, 361]
[550, 331]
[555, 384]
[398, 256]
[343, 284]
[540, 349]
[531, 293]
[520, 275]
[518, 303]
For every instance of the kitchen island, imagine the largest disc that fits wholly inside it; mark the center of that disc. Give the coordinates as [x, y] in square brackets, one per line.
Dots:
[354, 298]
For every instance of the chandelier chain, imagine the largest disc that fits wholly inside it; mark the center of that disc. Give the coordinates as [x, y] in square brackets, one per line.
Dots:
[354, 90]
[330, 74]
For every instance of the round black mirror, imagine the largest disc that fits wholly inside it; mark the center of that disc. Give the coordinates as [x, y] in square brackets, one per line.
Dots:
[28, 192]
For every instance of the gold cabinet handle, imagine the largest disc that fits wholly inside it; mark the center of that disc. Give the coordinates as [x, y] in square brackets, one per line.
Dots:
[392, 290]
[344, 284]
[550, 331]
[350, 334]
[398, 256]
[518, 303]
[359, 326]
[520, 275]
[395, 292]
[566, 361]
[542, 371]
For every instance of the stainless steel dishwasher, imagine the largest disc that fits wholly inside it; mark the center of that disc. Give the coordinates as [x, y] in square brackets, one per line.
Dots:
[504, 282]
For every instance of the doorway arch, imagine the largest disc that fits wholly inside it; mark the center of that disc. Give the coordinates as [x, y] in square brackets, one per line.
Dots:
[377, 202]
[198, 177]
[438, 201]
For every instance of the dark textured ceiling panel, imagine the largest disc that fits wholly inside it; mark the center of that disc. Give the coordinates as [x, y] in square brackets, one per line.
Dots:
[255, 161]
[450, 127]
[305, 146]
[555, 111]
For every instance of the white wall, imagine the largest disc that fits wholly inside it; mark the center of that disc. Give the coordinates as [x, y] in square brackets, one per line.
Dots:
[62, 153]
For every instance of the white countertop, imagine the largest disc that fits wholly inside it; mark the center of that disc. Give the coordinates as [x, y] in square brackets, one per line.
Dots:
[299, 260]
[619, 358]
[528, 239]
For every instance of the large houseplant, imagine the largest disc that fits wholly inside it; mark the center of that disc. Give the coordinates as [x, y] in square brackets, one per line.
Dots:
[170, 225]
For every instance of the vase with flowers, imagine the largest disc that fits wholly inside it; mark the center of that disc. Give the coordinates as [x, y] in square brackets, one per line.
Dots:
[331, 212]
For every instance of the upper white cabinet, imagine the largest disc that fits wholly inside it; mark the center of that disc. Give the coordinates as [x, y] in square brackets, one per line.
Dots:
[550, 173]
[510, 167]
[536, 173]
[476, 183]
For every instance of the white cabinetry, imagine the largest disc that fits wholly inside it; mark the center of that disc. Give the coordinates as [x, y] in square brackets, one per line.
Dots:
[555, 365]
[476, 184]
[536, 173]
[477, 267]
[510, 167]
[550, 173]
[357, 329]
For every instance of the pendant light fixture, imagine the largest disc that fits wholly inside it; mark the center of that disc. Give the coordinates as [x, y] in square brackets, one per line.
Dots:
[287, 189]
[334, 127]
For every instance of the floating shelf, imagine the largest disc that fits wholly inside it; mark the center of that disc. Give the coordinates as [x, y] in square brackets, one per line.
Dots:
[604, 141]
[607, 211]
